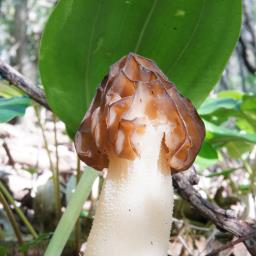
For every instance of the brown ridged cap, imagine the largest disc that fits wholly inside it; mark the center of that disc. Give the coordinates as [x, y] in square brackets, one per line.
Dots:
[134, 92]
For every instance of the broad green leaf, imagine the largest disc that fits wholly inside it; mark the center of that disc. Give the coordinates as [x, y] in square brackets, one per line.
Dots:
[220, 135]
[211, 105]
[191, 42]
[219, 110]
[71, 214]
[13, 107]
[231, 104]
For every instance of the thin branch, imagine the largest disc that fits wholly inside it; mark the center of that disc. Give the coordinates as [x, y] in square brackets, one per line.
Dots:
[248, 16]
[15, 78]
[251, 68]
[8, 153]
[230, 245]
[223, 219]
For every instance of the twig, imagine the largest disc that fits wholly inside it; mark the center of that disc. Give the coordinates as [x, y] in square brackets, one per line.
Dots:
[223, 219]
[183, 242]
[248, 22]
[184, 184]
[15, 78]
[229, 245]
[251, 68]
[8, 153]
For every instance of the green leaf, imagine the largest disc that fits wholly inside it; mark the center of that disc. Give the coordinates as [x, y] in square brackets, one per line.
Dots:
[71, 214]
[191, 42]
[237, 148]
[231, 104]
[244, 188]
[207, 156]
[8, 91]
[249, 104]
[3, 250]
[225, 173]
[221, 135]
[13, 107]
[219, 110]
[232, 94]
[39, 241]
[245, 125]
[211, 105]
[207, 151]
[85, 214]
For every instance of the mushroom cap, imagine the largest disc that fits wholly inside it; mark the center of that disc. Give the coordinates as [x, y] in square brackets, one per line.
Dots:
[134, 93]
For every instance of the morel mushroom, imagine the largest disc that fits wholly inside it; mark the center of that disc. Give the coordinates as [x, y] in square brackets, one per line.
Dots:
[141, 129]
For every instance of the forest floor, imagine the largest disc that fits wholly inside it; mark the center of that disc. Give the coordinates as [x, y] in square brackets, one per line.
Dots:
[25, 169]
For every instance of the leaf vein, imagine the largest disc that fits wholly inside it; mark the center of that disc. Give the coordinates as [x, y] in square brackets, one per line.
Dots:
[191, 38]
[89, 54]
[145, 25]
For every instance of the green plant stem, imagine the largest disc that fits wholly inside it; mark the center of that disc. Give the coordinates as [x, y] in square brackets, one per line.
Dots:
[77, 227]
[69, 218]
[57, 170]
[251, 172]
[54, 173]
[18, 210]
[78, 170]
[11, 218]
[253, 182]
[252, 177]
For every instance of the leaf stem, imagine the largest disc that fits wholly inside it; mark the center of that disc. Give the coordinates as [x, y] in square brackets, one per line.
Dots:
[11, 218]
[144, 27]
[69, 218]
[77, 227]
[18, 210]
[57, 170]
[54, 173]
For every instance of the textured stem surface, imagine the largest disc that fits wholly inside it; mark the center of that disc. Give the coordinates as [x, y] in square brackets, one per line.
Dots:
[134, 214]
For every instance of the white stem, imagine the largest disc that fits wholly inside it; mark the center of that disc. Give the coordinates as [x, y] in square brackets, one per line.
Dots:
[134, 213]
